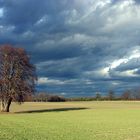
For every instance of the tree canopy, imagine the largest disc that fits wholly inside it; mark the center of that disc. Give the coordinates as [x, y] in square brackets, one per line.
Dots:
[17, 76]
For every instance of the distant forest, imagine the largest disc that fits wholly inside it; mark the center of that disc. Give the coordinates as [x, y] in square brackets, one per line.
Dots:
[48, 97]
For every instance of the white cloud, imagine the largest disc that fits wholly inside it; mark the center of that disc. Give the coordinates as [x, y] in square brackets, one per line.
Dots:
[42, 20]
[115, 83]
[63, 93]
[1, 12]
[104, 71]
[118, 62]
[99, 73]
[135, 54]
[6, 29]
[111, 68]
[120, 16]
[126, 73]
[45, 81]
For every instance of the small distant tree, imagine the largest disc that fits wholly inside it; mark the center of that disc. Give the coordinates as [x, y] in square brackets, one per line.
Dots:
[17, 76]
[126, 95]
[42, 97]
[111, 95]
[98, 96]
[136, 94]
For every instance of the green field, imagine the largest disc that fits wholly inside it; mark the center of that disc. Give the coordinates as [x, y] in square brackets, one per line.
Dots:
[118, 120]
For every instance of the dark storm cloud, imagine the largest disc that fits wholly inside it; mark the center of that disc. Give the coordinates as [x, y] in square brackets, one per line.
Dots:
[84, 46]
[137, 1]
[24, 14]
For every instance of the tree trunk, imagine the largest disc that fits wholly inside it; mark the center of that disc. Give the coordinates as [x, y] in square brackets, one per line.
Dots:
[8, 104]
[5, 105]
[2, 106]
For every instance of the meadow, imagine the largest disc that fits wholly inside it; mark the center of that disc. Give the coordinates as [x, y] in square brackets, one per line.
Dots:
[96, 120]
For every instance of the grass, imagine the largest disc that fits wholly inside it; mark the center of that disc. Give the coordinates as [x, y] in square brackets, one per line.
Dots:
[107, 120]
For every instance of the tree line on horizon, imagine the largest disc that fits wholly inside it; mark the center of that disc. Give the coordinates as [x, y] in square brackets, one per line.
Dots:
[110, 96]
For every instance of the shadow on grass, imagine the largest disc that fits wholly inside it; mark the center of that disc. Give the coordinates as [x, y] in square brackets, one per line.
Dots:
[52, 110]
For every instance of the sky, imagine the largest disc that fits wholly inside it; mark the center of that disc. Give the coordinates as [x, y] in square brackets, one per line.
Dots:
[79, 47]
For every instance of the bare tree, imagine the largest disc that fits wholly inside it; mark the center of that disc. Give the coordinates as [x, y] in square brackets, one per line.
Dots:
[17, 76]
[126, 95]
[111, 95]
[98, 96]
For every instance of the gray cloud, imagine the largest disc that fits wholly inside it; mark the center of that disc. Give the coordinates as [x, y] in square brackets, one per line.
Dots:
[89, 46]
